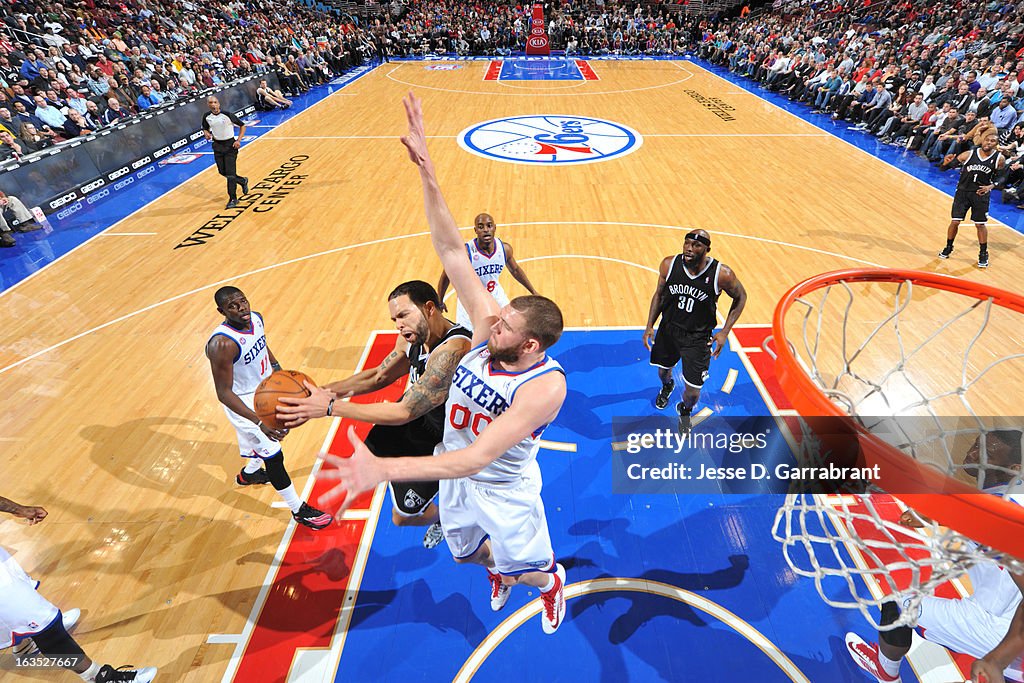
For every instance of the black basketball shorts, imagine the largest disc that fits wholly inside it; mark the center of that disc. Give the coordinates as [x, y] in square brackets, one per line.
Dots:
[970, 199]
[416, 438]
[692, 348]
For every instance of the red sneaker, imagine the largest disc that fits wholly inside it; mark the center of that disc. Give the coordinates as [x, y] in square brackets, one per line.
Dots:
[866, 657]
[554, 603]
[499, 591]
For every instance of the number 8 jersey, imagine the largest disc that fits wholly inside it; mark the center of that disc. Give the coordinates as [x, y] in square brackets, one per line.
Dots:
[488, 268]
[478, 395]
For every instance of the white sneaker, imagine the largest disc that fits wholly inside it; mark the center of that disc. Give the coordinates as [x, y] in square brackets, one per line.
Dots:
[434, 535]
[27, 647]
[499, 591]
[553, 611]
[865, 656]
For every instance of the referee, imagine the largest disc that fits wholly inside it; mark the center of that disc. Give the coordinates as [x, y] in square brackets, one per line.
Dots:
[219, 127]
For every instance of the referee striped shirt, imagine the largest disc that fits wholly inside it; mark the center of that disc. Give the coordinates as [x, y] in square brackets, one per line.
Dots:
[222, 125]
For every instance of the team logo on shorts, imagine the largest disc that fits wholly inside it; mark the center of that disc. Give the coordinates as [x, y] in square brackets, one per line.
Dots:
[442, 67]
[550, 139]
[413, 499]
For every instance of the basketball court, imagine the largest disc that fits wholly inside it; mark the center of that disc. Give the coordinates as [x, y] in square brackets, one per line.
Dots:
[594, 171]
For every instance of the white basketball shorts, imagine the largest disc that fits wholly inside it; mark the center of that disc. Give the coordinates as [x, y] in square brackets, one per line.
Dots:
[252, 442]
[23, 611]
[973, 625]
[512, 516]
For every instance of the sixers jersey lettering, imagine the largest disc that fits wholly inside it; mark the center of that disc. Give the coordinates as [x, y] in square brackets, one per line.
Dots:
[252, 363]
[487, 267]
[481, 393]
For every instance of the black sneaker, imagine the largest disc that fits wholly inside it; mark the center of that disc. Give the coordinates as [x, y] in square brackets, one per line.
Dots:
[252, 478]
[434, 535]
[7, 240]
[684, 418]
[244, 182]
[232, 204]
[946, 252]
[666, 392]
[983, 259]
[108, 674]
[311, 517]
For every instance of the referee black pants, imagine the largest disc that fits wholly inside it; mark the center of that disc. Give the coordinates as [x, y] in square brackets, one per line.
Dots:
[226, 156]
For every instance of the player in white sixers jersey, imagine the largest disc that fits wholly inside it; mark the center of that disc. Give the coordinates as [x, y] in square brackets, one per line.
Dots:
[34, 626]
[505, 391]
[240, 360]
[489, 256]
[989, 623]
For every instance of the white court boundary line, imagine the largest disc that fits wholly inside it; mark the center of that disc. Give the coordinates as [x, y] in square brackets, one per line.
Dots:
[395, 238]
[242, 639]
[176, 187]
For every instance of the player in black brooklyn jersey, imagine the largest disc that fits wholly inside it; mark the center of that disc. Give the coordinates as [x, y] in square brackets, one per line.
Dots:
[428, 350]
[686, 299]
[977, 178]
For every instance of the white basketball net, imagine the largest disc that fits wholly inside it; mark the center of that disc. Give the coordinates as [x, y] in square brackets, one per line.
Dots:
[926, 369]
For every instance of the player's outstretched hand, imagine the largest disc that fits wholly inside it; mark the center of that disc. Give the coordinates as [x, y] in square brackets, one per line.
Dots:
[297, 411]
[719, 341]
[416, 139]
[33, 513]
[361, 472]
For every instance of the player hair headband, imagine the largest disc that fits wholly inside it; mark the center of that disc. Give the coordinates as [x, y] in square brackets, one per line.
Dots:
[697, 237]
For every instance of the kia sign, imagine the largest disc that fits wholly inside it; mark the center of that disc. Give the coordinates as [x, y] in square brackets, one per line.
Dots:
[537, 43]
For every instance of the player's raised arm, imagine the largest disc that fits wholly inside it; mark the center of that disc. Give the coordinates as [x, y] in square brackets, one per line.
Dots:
[444, 233]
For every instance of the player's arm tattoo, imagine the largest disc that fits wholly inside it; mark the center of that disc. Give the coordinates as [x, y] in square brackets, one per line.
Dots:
[432, 388]
[8, 505]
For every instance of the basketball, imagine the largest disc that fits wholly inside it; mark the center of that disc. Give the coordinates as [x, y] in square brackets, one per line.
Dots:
[280, 383]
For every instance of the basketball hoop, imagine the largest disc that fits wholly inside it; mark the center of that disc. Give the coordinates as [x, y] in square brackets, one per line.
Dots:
[911, 387]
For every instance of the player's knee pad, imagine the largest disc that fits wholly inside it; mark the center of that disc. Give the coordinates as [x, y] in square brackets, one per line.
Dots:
[55, 641]
[897, 637]
[276, 472]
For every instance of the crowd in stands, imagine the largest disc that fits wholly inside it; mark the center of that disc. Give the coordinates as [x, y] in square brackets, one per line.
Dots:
[69, 70]
[495, 28]
[927, 77]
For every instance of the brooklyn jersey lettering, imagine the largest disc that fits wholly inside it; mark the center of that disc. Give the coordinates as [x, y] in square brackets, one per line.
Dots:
[252, 363]
[479, 394]
[418, 356]
[690, 302]
[978, 171]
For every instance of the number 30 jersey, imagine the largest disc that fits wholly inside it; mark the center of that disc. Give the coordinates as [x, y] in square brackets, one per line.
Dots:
[690, 302]
[478, 395]
[252, 363]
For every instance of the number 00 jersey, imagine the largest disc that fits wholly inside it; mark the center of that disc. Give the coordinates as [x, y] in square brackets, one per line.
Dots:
[252, 362]
[481, 393]
[689, 302]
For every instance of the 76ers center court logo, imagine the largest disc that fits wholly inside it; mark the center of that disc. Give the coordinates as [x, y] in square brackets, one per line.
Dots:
[550, 139]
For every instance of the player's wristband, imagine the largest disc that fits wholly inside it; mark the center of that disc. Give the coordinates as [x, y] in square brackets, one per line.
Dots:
[330, 407]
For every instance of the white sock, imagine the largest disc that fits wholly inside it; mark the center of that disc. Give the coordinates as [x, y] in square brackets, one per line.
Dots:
[890, 667]
[89, 675]
[252, 465]
[290, 498]
[549, 585]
